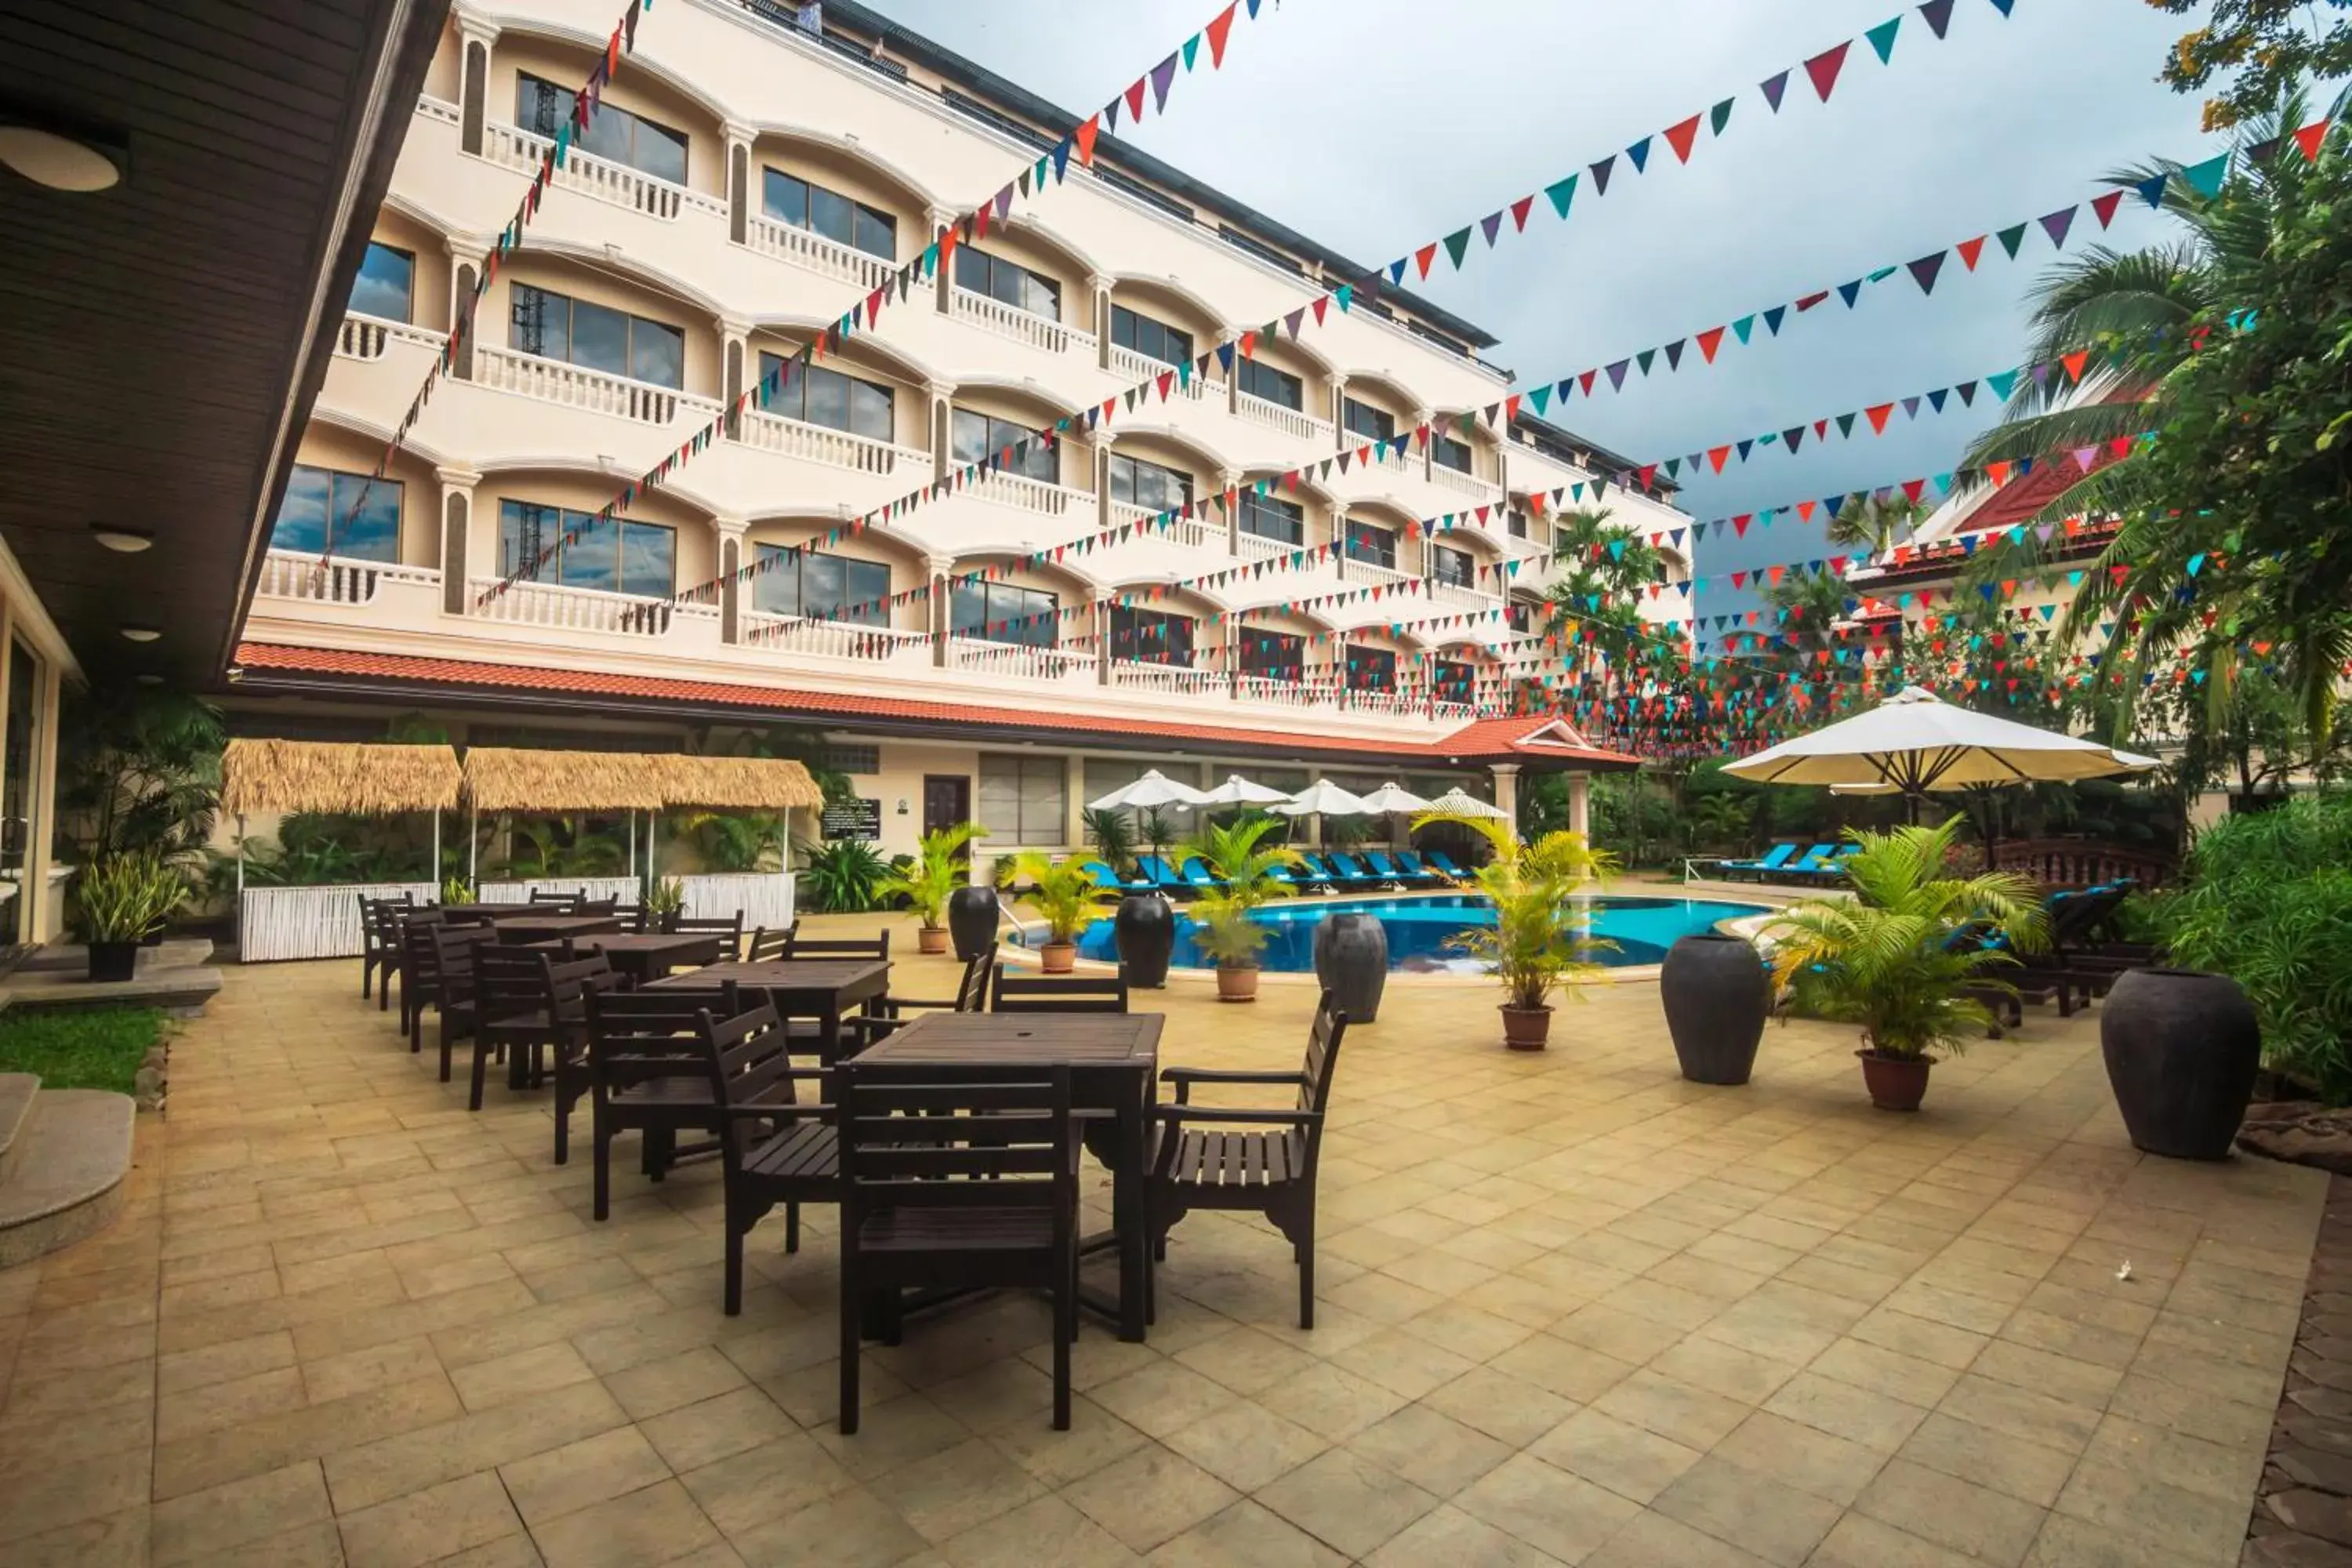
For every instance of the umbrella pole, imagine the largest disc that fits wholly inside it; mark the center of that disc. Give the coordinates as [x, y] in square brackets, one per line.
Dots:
[474, 847]
[436, 845]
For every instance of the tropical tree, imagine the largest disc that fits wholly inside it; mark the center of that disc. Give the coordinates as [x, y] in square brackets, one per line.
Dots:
[941, 866]
[138, 769]
[1601, 571]
[2261, 46]
[1541, 938]
[1237, 857]
[1874, 521]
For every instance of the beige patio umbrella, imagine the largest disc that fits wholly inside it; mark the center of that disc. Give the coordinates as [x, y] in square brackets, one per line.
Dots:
[1914, 742]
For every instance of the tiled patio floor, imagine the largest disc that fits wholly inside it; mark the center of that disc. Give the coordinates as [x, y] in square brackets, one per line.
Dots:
[1572, 1309]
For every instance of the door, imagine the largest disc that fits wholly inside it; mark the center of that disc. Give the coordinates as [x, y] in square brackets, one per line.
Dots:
[947, 800]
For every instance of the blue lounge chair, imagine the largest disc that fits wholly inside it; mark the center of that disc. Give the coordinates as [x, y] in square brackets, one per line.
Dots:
[1411, 864]
[1315, 873]
[1442, 864]
[1105, 877]
[1197, 878]
[1812, 864]
[1161, 875]
[1772, 861]
[1391, 872]
[1352, 874]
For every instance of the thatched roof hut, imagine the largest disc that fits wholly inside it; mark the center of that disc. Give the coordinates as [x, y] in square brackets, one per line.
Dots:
[738, 783]
[501, 779]
[378, 780]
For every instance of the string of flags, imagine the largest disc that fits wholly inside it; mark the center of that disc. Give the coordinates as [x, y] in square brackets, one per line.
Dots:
[1052, 168]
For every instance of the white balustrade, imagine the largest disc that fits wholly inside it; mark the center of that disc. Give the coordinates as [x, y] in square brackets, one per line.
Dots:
[1258, 547]
[1286, 693]
[1275, 416]
[1174, 679]
[1455, 479]
[1190, 532]
[822, 443]
[1022, 326]
[806, 248]
[1362, 454]
[571, 609]
[599, 177]
[1446, 712]
[363, 337]
[1019, 660]
[552, 381]
[831, 640]
[1358, 571]
[288, 574]
[1030, 495]
[439, 109]
[1130, 366]
[1461, 594]
[1371, 700]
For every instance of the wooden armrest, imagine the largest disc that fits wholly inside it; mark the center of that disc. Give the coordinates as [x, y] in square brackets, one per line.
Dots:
[1229, 1114]
[1226, 1075]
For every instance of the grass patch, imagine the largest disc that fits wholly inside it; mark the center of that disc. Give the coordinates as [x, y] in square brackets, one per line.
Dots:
[98, 1048]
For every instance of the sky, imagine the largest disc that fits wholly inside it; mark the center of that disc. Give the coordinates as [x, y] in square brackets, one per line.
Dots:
[1378, 126]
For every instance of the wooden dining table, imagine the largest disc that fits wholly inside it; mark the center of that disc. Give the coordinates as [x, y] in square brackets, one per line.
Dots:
[645, 956]
[825, 989]
[524, 931]
[1113, 1060]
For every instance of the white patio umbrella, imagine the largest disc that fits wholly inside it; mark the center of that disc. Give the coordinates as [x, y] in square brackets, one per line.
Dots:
[1459, 802]
[1324, 798]
[1239, 791]
[1914, 742]
[1149, 793]
[1392, 798]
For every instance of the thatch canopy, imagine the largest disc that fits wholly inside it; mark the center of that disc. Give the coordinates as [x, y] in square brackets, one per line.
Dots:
[501, 779]
[380, 780]
[740, 784]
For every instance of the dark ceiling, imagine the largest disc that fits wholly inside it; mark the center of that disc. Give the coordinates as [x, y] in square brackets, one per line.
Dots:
[161, 341]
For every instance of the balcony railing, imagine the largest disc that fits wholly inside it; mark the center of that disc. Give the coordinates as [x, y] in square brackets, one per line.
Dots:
[1375, 700]
[1030, 495]
[1275, 416]
[601, 178]
[552, 381]
[1455, 479]
[1286, 693]
[286, 574]
[1019, 660]
[1258, 547]
[822, 443]
[1363, 453]
[806, 248]
[1022, 326]
[1130, 366]
[366, 337]
[1174, 679]
[1441, 592]
[1186, 530]
[1362, 570]
[832, 639]
[571, 609]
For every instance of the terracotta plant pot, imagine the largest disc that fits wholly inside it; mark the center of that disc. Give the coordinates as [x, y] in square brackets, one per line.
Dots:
[1236, 984]
[1526, 1028]
[932, 939]
[1896, 1083]
[1058, 957]
[2182, 1048]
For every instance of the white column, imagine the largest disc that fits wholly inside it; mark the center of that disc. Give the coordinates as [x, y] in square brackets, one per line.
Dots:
[1229, 484]
[938, 566]
[1074, 801]
[1506, 791]
[1098, 443]
[1579, 804]
[939, 425]
[1233, 375]
[733, 558]
[939, 219]
[737, 369]
[466, 255]
[1339, 412]
[476, 42]
[1098, 284]
[454, 527]
[740, 180]
[1421, 416]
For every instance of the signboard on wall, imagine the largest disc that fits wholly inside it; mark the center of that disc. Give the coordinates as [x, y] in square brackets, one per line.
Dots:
[854, 818]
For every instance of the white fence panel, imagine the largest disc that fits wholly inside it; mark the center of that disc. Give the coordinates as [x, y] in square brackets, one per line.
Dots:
[278, 923]
[622, 888]
[764, 897]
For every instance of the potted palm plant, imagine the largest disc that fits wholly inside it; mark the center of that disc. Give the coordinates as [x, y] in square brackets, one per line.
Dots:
[1068, 898]
[123, 897]
[938, 869]
[1911, 956]
[1242, 864]
[1542, 939]
[664, 902]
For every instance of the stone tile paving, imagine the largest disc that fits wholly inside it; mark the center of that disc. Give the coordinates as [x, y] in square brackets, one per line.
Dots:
[2305, 1516]
[1572, 1310]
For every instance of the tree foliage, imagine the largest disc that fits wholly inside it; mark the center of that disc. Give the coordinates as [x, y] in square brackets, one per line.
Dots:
[2258, 48]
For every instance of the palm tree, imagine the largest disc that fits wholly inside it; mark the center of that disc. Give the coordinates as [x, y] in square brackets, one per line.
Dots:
[1874, 521]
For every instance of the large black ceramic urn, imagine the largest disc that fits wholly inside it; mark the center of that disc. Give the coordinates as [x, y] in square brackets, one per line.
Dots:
[2182, 1048]
[972, 920]
[1145, 927]
[1716, 997]
[1351, 960]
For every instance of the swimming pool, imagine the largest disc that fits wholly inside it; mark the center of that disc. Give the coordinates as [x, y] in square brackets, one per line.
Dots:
[1642, 929]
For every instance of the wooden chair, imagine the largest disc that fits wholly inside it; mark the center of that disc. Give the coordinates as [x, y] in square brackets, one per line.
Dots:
[557, 898]
[773, 1148]
[599, 907]
[729, 928]
[1018, 993]
[770, 946]
[876, 947]
[380, 944]
[960, 1183]
[455, 948]
[420, 973]
[971, 997]
[1270, 1172]
[529, 1002]
[647, 1072]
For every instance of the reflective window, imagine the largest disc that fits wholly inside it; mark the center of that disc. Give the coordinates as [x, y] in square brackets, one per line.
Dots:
[827, 397]
[1151, 338]
[1260, 379]
[1278, 656]
[1151, 637]
[1363, 419]
[1148, 485]
[645, 145]
[594, 337]
[1449, 453]
[1370, 668]
[802, 204]
[1454, 682]
[1024, 799]
[1519, 523]
[822, 587]
[1371, 545]
[1447, 565]
[1009, 281]
[386, 286]
[1270, 517]
[978, 437]
[616, 556]
[1003, 612]
[330, 514]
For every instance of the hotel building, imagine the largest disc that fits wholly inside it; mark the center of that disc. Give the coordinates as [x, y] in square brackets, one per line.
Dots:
[753, 169]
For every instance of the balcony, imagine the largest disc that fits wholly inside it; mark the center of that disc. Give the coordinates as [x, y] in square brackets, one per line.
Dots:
[568, 609]
[1359, 570]
[1258, 547]
[366, 338]
[836, 640]
[552, 381]
[334, 580]
[598, 177]
[1030, 495]
[1186, 530]
[1282, 693]
[1289, 421]
[1130, 366]
[1022, 326]
[835, 449]
[1020, 660]
[1464, 596]
[1170, 679]
[1468, 484]
[807, 249]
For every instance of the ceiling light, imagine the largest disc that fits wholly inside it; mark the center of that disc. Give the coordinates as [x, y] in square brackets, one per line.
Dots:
[137, 633]
[62, 160]
[122, 541]
[148, 678]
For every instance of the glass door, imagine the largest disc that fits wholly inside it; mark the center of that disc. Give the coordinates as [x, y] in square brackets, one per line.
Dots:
[20, 751]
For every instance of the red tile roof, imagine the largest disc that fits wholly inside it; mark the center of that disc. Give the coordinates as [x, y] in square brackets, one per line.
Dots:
[1522, 739]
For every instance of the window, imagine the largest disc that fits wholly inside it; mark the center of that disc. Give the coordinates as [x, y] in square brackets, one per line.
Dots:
[386, 286]
[790, 199]
[1023, 800]
[1454, 682]
[1449, 453]
[1149, 485]
[595, 337]
[1371, 545]
[1519, 523]
[1152, 339]
[852, 758]
[1151, 637]
[979, 436]
[1447, 565]
[1517, 615]
[827, 397]
[1260, 379]
[1371, 670]
[1278, 655]
[1268, 517]
[328, 513]
[1009, 281]
[1000, 612]
[616, 556]
[822, 587]
[1363, 419]
[645, 145]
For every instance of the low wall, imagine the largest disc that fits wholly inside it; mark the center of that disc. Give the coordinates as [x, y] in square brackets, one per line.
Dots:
[274, 924]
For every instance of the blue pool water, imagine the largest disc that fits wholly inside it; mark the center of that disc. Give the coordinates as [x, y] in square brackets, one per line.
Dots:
[1417, 928]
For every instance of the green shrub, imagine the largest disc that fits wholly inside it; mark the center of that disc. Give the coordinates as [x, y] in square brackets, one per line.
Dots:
[2267, 900]
[842, 876]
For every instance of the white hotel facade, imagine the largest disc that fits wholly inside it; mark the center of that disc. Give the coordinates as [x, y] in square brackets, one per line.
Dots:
[754, 170]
